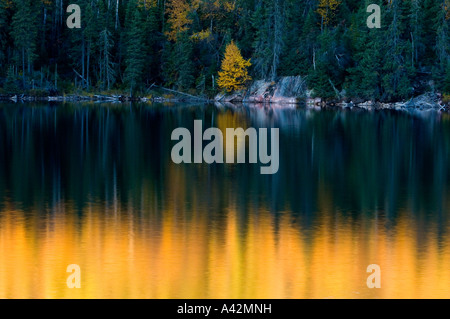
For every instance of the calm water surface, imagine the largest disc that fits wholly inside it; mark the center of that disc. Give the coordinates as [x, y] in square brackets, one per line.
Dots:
[94, 185]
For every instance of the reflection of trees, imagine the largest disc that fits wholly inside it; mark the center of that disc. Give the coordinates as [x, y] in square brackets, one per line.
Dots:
[124, 255]
[96, 184]
[363, 164]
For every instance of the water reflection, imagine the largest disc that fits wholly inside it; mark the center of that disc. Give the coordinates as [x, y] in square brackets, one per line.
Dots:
[94, 185]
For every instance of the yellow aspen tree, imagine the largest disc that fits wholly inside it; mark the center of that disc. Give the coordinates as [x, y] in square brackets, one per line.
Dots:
[178, 12]
[447, 9]
[215, 11]
[234, 73]
[7, 4]
[327, 9]
[147, 4]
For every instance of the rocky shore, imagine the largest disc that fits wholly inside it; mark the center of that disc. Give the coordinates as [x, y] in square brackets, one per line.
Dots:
[286, 91]
[293, 90]
[86, 98]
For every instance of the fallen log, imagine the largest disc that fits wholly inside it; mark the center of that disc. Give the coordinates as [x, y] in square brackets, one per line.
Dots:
[181, 93]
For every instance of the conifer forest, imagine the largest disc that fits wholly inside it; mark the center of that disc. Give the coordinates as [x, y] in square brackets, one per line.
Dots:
[132, 46]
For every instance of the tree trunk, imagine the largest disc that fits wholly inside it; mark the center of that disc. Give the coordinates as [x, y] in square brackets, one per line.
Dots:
[56, 76]
[82, 59]
[87, 66]
[23, 67]
[117, 14]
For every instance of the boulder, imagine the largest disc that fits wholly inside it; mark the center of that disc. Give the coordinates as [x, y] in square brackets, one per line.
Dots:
[425, 101]
[286, 90]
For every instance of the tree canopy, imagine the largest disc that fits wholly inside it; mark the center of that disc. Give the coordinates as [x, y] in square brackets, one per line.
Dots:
[187, 45]
[234, 74]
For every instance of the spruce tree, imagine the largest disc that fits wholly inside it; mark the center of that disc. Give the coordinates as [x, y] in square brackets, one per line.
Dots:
[269, 23]
[183, 60]
[416, 18]
[83, 43]
[153, 43]
[24, 35]
[180, 44]
[397, 64]
[364, 78]
[10, 83]
[134, 60]
[429, 26]
[3, 33]
[294, 60]
[442, 47]
[107, 72]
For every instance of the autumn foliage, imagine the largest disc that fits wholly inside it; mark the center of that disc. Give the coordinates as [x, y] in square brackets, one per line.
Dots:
[179, 16]
[234, 73]
[327, 10]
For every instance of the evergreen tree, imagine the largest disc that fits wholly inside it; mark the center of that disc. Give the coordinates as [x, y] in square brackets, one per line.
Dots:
[83, 43]
[184, 66]
[364, 79]
[446, 81]
[134, 61]
[180, 44]
[308, 41]
[442, 47]
[153, 39]
[429, 26]
[107, 72]
[329, 64]
[105, 43]
[3, 32]
[268, 22]
[397, 65]
[10, 83]
[416, 17]
[294, 59]
[24, 33]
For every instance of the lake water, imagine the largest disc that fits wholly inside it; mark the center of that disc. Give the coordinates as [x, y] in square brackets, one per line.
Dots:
[94, 185]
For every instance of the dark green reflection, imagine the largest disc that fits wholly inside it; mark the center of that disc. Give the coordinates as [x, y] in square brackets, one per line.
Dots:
[365, 164]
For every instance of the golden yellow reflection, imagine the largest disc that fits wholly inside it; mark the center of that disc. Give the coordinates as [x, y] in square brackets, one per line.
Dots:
[178, 256]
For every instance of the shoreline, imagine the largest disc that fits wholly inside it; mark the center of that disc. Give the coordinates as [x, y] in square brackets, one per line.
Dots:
[93, 98]
[422, 102]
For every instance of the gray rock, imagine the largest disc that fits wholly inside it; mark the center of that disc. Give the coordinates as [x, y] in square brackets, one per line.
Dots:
[287, 90]
[424, 101]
